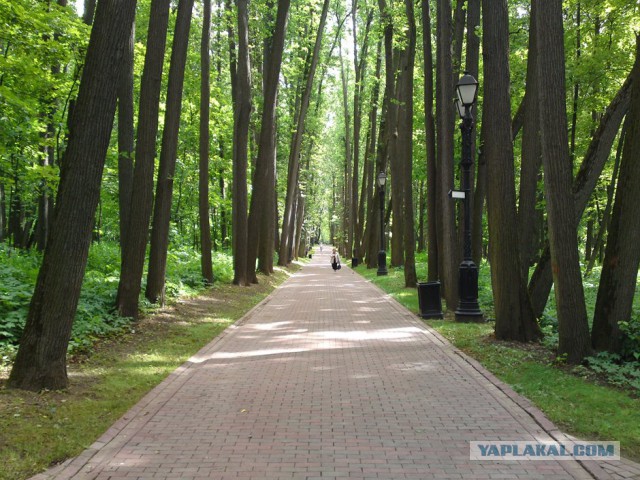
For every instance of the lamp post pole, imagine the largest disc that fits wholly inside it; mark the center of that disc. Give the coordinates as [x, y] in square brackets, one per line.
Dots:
[468, 309]
[382, 254]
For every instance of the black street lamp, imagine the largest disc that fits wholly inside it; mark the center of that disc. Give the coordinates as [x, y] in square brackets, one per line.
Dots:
[382, 254]
[468, 309]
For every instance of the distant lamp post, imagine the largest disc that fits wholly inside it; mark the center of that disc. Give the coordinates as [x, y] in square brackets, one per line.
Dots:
[382, 254]
[468, 309]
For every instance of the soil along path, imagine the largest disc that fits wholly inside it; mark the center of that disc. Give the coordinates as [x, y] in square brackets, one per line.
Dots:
[327, 378]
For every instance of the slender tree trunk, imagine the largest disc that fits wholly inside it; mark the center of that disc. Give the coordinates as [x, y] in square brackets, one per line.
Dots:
[294, 156]
[573, 330]
[125, 139]
[262, 201]
[405, 145]
[134, 248]
[348, 163]
[531, 160]
[430, 129]
[168, 154]
[241, 118]
[622, 255]
[203, 177]
[595, 245]
[514, 315]
[41, 359]
[447, 241]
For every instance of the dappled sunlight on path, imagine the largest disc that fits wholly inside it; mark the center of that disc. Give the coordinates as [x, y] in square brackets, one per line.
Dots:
[328, 377]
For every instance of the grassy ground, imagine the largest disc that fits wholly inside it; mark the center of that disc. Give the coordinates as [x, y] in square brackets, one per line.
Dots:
[38, 430]
[570, 397]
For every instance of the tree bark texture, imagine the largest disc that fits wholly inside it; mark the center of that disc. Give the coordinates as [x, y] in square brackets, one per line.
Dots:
[168, 156]
[41, 359]
[573, 329]
[134, 248]
[514, 316]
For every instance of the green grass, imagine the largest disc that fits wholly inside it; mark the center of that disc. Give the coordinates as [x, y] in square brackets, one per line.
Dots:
[38, 430]
[578, 405]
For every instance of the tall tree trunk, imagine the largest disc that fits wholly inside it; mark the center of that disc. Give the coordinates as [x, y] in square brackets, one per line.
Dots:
[622, 255]
[262, 199]
[514, 315]
[203, 174]
[294, 155]
[125, 139]
[369, 187]
[391, 137]
[134, 248]
[241, 118]
[348, 163]
[168, 154]
[531, 159]
[360, 70]
[573, 329]
[41, 359]
[405, 145]
[447, 240]
[595, 245]
[430, 129]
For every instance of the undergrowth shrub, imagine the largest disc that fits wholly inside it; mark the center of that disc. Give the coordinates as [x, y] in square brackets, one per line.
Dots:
[95, 316]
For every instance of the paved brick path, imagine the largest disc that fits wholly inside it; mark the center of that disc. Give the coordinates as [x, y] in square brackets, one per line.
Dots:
[328, 378]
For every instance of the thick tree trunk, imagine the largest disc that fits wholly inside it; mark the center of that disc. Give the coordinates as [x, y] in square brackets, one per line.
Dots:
[514, 316]
[41, 359]
[294, 155]
[203, 174]
[622, 255]
[573, 329]
[241, 118]
[168, 156]
[134, 248]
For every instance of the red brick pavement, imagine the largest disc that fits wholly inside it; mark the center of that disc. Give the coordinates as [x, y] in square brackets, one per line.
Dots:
[327, 378]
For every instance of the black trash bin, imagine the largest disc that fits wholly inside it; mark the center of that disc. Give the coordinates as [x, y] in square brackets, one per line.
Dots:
[354, 262]
[429, 300]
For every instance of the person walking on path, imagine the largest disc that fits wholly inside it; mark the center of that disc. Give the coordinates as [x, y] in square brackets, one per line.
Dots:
[335, 260]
